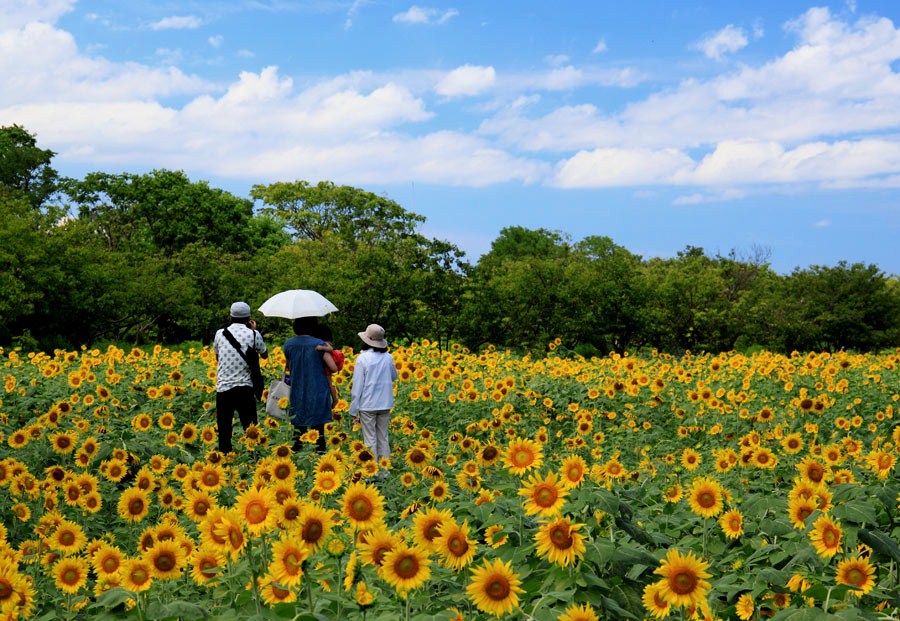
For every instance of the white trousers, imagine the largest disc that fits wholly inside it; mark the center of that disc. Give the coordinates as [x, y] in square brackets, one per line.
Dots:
[375, 424]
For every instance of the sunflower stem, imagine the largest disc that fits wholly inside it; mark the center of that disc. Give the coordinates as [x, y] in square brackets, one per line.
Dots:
[827, 600]
[407, 607]
[309, 597]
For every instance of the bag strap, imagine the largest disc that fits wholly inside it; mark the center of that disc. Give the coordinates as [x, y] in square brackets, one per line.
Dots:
[230, 337]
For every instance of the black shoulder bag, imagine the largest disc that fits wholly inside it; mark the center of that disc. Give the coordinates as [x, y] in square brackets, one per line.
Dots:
[251, 357]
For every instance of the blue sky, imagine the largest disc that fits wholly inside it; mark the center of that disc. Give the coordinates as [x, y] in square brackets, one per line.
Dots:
[658, 123]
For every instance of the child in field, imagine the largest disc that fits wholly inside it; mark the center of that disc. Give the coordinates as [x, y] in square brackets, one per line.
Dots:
[324, 332]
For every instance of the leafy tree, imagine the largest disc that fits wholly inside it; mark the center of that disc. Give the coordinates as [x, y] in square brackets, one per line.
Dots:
[351, 214]
[24, 168]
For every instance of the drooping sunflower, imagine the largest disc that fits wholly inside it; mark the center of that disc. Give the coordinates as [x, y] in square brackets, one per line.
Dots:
[857, 573]
[494, 587]
[256, 507]
[732, 523]
[70, 573]
[363, 506]
[579, 612]
[559, 542]
[522, 455]
[826, 536]
[454, 546]
[134, 504]
[544, 496]
[427, 526]
[405, 568]
[684, 579]
[314, 526]
[706, 497]
[287, 561]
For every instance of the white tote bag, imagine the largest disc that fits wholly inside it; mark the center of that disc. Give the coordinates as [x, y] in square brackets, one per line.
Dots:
[278, 390]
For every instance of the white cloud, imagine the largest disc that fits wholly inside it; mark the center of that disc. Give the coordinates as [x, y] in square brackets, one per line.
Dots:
[727, 41]
[722, 196]
[555, 60]
[468, 80]
[177, 22]
[822, 224]
[600, 47]
[244, 53]
[216, 41]
[15, 14]
[621, 167]
[425, 15]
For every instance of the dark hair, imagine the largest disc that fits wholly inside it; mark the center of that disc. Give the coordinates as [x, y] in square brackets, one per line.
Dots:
[306, 325]
[323, 332]
[367, 347]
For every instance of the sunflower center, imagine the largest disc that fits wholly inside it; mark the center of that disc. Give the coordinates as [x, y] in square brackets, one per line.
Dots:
[164, 562]
[110, 564]
[804, 513]
[545, 496]
[522, 458]
[498, 588]
[70, 576]
[312, 531]
[683, 582]
[433, 530]
[361, 509]
[235, 537]
[256, 512]
[706, 499]
[67, 538]
[458, 545]
[292, 562]
[815, 473]
[201, 507]
[830, 538]
[856, 577]
[208, 568]
[140, 575]
[136, 506]
[406, 567]
[561, 537]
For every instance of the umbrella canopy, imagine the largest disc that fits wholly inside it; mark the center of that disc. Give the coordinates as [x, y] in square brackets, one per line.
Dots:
[297, 303]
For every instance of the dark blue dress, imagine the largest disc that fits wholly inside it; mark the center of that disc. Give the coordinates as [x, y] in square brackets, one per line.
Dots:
[310, 395]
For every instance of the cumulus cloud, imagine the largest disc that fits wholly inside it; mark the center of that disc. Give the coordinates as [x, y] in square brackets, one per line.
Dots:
[216, 41]
[727, 41]
[468, 80]
[177, 22]
[425, 15]
[600, 47]
[14, 15]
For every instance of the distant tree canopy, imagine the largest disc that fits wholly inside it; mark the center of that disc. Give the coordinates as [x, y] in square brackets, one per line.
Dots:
[158, 257]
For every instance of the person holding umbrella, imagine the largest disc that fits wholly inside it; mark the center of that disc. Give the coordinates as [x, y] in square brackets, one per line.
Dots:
[306, 358]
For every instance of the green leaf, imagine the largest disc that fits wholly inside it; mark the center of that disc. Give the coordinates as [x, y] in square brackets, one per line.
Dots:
[880, 543]
[112, 598]
[861, 512]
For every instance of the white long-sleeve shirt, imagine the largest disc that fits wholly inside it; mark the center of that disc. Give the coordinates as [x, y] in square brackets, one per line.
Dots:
[373, 382]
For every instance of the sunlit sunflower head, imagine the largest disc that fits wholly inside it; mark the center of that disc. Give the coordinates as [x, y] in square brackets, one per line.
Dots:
[454, 546]
[813, 470]
[544, 496]
[427, 526]
[167, 559]
[107, 560]
[405, 568]
[673, 493]
[313, 526]
[732, 523]
[560, 542]
[198, 503]
[572, 471]
[134, 504]
[70, 573]
[374, 544]
[799, 509]
[522, 455]
[706, 497]
[273, 592]
[136, 575]
[257, 509]
[494, 587]
[744, 607]
[327, 481]
[684, 579]
[654, 602]
[288, 556]
[857, 573]
[579, 612]
[363, 506]
[690, 459]
[68, 537]
[63, 442]
[206, 564]
[826, 536]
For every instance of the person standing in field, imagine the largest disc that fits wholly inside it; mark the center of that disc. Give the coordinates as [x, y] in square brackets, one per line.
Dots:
[306, 358]
[372, 392]
[234, 386]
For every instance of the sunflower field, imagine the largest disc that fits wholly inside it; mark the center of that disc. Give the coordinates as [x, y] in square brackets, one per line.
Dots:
[563, 488]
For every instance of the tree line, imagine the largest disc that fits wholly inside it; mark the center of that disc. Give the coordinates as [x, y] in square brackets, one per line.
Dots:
[158, 257]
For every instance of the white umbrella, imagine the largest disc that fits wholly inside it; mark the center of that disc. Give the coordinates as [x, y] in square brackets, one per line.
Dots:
[297, 303]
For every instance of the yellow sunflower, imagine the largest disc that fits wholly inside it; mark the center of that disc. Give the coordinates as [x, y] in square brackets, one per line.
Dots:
[167, 559]
[256, 507]
[559, 542]
[494, 587]
[654, 602]
[745, 607]
[857, 573]
[134, 504]
[107, 560]
[732, 523]
[454, 545]
[427, 526]
[314, 525]
[136, 575]
[363, 506]
[799, 509]
[572, 470]
[68, 537]
[206, 564]
[70, 573]
[543, 496]
[522, 455]
[288, 557]
[581, 612]
[374, 544]
[405, 568]
[274, 593]
[826, 536]
[684, 579]
[706, 497]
